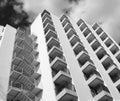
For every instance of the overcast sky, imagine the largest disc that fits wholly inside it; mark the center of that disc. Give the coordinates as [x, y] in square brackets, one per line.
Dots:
[107, 12]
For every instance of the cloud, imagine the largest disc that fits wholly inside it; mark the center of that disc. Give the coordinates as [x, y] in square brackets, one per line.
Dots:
[105, 11]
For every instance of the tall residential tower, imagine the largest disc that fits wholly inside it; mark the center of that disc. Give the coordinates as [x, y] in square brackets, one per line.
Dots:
[79, 62]
[59, 60]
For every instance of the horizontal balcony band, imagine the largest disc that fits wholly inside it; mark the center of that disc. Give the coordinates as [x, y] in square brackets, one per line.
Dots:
[19, 64]
[27, 41]
[82, 55]
[67, 27]
[61, 78]
[46, 21]
[94, 80]
[58, 64]
[74, 39]
[46, 16]
[105, 57]
[23, 45]
[45, 12]
[103, 96]
[71, 32]
[82, 26]
[95, 26]
[19, 77]
[65, 21]
[78, 47]
[63, 17]
[36, 93]
[53, 42]
[50, 34]
[47, 27]
[14, 95]
[67, 95]
[80, 22]
[55, 51]
[103, 37]
[87, 67]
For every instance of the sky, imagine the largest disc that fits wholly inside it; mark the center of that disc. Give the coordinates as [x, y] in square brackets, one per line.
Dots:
[105, 12]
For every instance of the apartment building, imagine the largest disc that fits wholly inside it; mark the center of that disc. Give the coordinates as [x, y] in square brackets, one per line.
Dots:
[19, 66]
[59, 60]
[79, 62]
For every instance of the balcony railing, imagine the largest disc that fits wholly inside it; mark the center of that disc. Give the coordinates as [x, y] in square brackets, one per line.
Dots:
[101, 93]
[66, 94]
[58, 64]
[61, 78]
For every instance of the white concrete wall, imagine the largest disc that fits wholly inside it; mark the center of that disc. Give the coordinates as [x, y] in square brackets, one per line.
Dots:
[80, 83]
[46, 78]
[97, 62]
[6, 52]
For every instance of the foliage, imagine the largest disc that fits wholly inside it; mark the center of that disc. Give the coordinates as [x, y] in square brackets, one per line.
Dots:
[12, 13]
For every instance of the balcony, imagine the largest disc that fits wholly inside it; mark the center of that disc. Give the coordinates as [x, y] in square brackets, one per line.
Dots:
[37, 78]
[83, 26]
[107, 63]
[103, 36]
[70, 33]
[90, 38]
[53, 42]
[74, 39]
[103, 96]
[36, 65]
[63, 18]
[118, 56]
[86, 32]
[115, 75]
[20, 34]
[114, 49]
[18, 64]
[112, 67]
[99, 31]
[15, 95]
[95, 44]
[61, 78]
[58, 64]
[106, 56]
[19, 77]
[87, 67]
[22, 44]
[94, 79]
[108, 42]
[48, 27]
[67, 27]
[67, 94]
[35, 54]
[80, 22]
[78, 47]
[24, 55]
[29, 40]
[46, 21]
[35, 94]
[65, 21]
[118, 87]
[55, 51]
[46, 16]
[51, 34]
[101, 53]
[45, 12]
[82, 58]
[33, 37]
[95, 26]
[101, 93]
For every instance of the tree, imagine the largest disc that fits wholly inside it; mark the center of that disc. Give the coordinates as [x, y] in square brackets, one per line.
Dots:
[12, 13]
